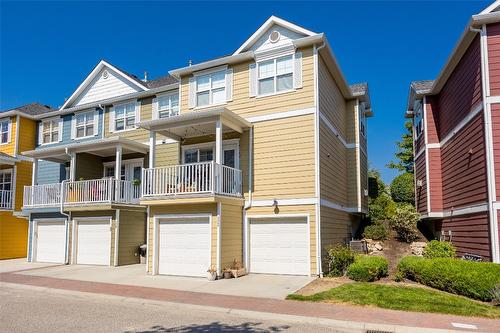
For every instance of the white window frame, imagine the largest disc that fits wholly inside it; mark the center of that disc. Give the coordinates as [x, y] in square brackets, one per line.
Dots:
[128, 164]
[226, 145]
[418, 123]
[210, 89]
[85, 124]
[170, 109]
[59, 131]
[9, 130]
[275, 75]
[362, 120]
[137, 116]
[12, 180]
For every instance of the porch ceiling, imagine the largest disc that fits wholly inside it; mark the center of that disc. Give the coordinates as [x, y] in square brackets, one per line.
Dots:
[101, 147]
[196, 123]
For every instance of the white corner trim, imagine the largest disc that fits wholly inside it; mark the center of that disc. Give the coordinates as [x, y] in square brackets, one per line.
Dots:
[336, 133]
[317, 174]
[284, 202]
[427, 182]
[337, 206]
[282, 115]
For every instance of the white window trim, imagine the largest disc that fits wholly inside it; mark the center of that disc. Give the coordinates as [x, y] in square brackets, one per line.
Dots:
[60, 125]
[210, 72]
[9, 130]
[418, 110]
[156, 113]
[257, 64]
[362, 120]
[226, 145]
[124, 163]
[137, 116]
[96, 125]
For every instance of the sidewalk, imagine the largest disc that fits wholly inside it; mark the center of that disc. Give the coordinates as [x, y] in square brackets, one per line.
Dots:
[352, 317]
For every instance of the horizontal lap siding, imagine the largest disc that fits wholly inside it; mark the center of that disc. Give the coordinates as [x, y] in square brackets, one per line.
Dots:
[13, 236]
[132, 234]
[462, 92]
[464, 174]
[232, 235]
[495, 119]
[435, 180]
[23, 178]
[27, 137]
[421, 191]
[470, 234]
[309, 210]
[493, 31]
[336, 228]
[364, 180]
[432, 124]
[246, 106]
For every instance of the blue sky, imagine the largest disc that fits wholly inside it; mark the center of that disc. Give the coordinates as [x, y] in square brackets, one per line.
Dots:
[47, 48]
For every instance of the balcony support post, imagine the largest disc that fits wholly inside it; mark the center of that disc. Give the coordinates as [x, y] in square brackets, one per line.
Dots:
[72, 167]
[152, 149]
[34, 175]
[118, 171]
[218, 154]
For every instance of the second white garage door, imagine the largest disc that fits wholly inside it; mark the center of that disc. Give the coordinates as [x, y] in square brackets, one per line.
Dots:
[51, 241]
[93, 242]
[184, 246]
[279, 246]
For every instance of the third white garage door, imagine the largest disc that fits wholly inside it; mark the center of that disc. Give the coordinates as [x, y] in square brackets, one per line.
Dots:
[279, 246]
[93, 242]
[184, 246]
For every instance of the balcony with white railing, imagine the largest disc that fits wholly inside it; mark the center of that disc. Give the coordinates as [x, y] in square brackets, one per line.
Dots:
[191, 179]
[6, 199]
[82, 192]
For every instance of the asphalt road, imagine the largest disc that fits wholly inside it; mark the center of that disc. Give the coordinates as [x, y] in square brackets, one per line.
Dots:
[32, 310]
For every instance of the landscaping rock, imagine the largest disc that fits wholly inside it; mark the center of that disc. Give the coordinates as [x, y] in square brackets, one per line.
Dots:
[417, 248]
[374, 246]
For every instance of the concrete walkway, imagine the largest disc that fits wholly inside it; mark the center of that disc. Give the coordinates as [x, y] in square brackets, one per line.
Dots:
[354, 317]
[254, 285]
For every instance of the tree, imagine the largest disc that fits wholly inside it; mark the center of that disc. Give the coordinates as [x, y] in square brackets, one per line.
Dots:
[405, 151]
[403, 188]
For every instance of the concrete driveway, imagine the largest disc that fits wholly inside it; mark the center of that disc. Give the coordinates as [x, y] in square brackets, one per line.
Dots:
[253, 285]
[12, 265]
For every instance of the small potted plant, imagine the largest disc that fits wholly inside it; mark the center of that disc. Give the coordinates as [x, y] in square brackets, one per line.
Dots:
[136, 182]
[227, 273]
[212, 273]
[237, 269]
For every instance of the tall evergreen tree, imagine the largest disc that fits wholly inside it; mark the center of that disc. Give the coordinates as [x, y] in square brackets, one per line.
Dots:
[404, 155]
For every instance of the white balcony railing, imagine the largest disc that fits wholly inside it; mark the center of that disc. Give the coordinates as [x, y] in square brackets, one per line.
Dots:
[42, 195]
[95, 191]
[106, 190]
[5, 199]
[194, 178]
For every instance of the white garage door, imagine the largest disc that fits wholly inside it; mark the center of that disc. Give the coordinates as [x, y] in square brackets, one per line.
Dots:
[51, 242]
[184, 247]
[93, 242]
[279, 246]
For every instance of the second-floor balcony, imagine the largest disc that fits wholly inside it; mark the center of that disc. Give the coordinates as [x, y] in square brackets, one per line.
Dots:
[195, 178]
[6, 199]
[82, 192]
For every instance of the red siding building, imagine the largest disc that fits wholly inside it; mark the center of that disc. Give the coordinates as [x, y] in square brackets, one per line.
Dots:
[456, 122]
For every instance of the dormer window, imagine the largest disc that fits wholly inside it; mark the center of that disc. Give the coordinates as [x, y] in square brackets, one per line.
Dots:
[275, 75]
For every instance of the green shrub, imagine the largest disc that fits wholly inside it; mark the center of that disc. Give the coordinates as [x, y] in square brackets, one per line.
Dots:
[381, 208]
[375, 231]
[339, 258]
[403, 188]
[368, 268]
[404, 222]
[467, 278]
[437, 249]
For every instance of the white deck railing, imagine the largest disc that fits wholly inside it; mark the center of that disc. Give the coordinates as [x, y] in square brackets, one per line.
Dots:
[95, 191]
[194, 178]
[5, 199]
[42, 195]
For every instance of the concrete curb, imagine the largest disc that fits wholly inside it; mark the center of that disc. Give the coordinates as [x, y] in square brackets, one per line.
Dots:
[353, 326]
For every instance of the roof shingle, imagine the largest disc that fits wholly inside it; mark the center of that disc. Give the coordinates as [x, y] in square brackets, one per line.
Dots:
[32, 109]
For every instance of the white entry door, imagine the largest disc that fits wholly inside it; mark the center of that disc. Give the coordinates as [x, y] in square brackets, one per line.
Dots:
[51, 242]
[184, 246]
[93, 242]
[279, 246]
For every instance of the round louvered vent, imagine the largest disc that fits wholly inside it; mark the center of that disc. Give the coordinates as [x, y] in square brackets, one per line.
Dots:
[274, 36]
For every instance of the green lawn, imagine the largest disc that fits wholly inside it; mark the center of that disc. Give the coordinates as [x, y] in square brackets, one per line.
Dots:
[402, 298]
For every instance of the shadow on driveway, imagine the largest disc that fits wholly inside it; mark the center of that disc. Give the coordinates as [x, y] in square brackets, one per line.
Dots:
[216, 327]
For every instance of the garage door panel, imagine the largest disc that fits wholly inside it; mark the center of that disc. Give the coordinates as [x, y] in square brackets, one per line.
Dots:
[184, 247]
[51, 242]
[94, 241]
[279, 247]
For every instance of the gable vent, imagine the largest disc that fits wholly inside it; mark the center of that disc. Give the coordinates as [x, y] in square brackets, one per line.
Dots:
[105, 74]
[274, 36]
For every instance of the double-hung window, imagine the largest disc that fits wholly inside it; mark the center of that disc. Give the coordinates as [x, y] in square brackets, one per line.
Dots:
[275, 75]
[50, 131]
[85, 124]
[125, 117]
[5, 189]
[211, 89]
[418, 121]
[4, 131]
[168, 105]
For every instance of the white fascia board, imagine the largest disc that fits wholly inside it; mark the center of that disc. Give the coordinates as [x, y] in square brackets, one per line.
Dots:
[263, 28]
[177, 73]
[490, 8]
[91, 76]
[336, 72]
[14, 112]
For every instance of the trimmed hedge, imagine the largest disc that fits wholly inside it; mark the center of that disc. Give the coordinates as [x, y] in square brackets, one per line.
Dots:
[439, 249]
[339, 258]
[467, 278]
[368, 268]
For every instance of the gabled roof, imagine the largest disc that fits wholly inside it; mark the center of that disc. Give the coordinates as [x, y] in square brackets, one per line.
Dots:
[102, 64]
[30, 110]
[495, 6]
[273, 20]
[161, 81]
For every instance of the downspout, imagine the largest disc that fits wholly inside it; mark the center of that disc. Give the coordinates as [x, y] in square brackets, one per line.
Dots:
[68, 216]
[489, 143]
[316, 152]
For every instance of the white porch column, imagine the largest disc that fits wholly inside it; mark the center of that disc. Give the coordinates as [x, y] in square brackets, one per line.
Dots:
[118, 171]
[72, 167]
[218, 154]
[152, 149]
[34, 175]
